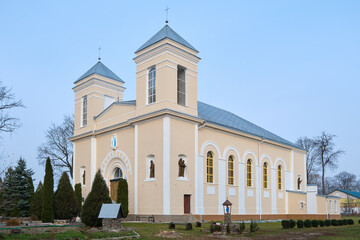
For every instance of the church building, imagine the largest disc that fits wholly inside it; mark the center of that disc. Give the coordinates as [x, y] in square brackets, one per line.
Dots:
[182, 158]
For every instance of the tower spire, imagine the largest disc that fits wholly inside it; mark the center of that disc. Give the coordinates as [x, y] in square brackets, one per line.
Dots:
[99, 49]
[167, 12]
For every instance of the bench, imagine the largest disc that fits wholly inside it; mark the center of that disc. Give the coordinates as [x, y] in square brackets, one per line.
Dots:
[188, 226]
[148, 218]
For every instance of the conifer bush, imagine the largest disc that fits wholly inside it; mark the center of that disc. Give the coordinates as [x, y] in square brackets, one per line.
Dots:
[315, 223]
[123, 196]
[321, 223]
[345, 221]
[242, 227]
[36, 202]
[285, 224]
[292, 223]
[300, 223]
[98, 195]
[334, 222]
[78, 196]
[307, 223]
[66, 205]
[327, 223]
[253, 226]
[341, 222]
[351, 221]
[47, 212]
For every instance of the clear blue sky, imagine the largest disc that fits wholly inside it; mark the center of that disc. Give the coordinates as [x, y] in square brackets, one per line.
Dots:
[291, 67]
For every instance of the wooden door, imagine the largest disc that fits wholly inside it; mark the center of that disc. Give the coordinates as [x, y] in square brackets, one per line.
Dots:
[187, 203]
[113, 189]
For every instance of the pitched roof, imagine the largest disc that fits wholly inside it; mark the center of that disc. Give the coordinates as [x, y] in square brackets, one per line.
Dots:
[101, 69]
[166, 32]
[227, 119]
[352, 193]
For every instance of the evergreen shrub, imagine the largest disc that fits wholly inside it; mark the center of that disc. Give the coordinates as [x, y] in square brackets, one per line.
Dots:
[66, 205]
[123, 196]
[327, 223]
[307, 223]
[359, 221]
[36, 202]
[78, 196]
[351, 221]
[98, 195]
[47, 212]
[334, 222]
[341, 222]
[285, 224]
[321, 223]
[212, 227]
[300, 223]
[242, 227]
[315, 223]
[253, 226]
[345, 221]
[292, 223]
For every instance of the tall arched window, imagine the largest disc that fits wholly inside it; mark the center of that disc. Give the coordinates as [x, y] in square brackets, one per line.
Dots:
[209, 167]
[248, 173]
[152, 85]
[231, 170]
[265, 175]
[279, 177]
[181, 86]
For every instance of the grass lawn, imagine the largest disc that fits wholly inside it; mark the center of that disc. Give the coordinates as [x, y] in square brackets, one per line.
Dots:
[269, 231]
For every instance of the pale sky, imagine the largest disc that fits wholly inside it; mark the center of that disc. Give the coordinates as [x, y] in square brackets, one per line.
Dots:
[291, 67]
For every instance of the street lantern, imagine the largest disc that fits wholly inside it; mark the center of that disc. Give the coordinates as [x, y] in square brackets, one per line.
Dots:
[227, 207]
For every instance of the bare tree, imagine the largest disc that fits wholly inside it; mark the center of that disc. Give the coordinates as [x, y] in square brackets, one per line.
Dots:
[7, 102]
[311, 167]
[346, 181]
[58, 147]
[327, 156]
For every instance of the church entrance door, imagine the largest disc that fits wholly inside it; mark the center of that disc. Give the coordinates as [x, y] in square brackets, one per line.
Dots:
[114, 183]
[187, 203]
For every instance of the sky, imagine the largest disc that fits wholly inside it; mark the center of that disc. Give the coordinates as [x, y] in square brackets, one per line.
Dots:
[291, 67]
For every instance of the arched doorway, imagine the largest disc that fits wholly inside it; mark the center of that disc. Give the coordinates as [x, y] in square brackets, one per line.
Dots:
[116, 174]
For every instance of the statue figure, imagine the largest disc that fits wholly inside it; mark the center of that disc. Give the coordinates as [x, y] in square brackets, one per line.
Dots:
[299, 183]
[182, 167]
[83, 177]
[152, 169]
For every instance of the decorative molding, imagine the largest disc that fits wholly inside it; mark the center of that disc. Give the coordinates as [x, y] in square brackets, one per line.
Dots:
[166, 165]
[136, 169]
[232, 148]
[252, 154]
[210, 143]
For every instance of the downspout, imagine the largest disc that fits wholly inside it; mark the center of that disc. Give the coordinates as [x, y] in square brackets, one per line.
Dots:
[201, 125]
[259, 177]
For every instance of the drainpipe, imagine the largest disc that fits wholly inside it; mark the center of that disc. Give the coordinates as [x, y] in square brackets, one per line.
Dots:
[259, 177]
[201, 125]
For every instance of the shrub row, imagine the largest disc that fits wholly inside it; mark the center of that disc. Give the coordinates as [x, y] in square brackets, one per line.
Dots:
[286, 224]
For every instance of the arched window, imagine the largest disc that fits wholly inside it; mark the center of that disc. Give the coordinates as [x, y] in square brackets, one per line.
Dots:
[152, 85]
[279, 177]
[117, 173]
[330, 209]
[231, 170]
[248, 173]
[209, 167]
[265, 175]
[181, 86]
[335, 206]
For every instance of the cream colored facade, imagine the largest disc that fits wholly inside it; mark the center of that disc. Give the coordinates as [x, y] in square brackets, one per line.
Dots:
[165, 131]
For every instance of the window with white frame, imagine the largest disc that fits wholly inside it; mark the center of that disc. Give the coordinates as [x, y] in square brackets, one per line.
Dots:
[181, 86]
[117, 173]
[84, 111]
[152, 85]
[335, 206]
[330, 207]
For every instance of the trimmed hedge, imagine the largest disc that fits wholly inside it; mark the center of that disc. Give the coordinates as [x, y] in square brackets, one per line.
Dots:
[351, 221]
[307, 223]
[300, 223]
[321, 223]
[341, 222]
[334, 222]
[285, 224]
[315, 223]
[327, 223]
[359, 221]
[292, 223]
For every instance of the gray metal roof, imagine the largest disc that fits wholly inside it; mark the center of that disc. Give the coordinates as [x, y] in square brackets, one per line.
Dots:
[227, 119]
[109, 210]
[166, 32]
[101, 69]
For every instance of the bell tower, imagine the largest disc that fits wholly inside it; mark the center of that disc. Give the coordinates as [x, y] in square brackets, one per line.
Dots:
[166, 74]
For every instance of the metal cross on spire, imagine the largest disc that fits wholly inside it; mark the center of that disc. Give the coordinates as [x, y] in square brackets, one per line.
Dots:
[99, 49]
[167, 12]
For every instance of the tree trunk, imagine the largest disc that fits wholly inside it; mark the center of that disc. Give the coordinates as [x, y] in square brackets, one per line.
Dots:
[323, 179]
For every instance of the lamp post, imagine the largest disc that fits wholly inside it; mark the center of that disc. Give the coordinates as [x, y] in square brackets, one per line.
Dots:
[227, 212]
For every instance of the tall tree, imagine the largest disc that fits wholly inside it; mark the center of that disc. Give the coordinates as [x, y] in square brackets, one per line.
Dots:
[98, 195]
[327, 156]
[36, 202]
[9, 193]
[47, 211]
[311, 167]
[78, 196]
[346, 181]
[123, 196]
[58, 147]
[65, 201]
[7, 102]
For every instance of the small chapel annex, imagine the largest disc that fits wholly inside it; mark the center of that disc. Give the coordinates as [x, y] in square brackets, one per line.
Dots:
[182, 158]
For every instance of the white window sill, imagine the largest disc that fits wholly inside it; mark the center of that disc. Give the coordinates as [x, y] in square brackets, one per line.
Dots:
[183, 179]
[150, 180]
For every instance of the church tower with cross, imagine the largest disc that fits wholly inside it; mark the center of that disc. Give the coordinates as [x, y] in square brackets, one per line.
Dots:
[182, 158]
